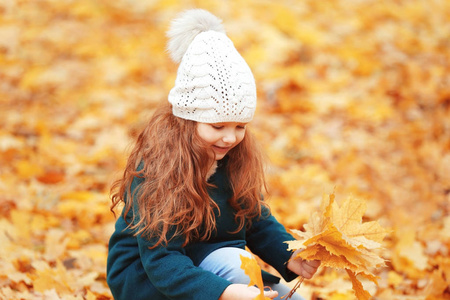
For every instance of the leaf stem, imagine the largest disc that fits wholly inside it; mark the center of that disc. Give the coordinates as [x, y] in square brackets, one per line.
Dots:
[294, 289]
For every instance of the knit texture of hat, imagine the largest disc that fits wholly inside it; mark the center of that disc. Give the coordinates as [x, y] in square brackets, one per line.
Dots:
[214, 84]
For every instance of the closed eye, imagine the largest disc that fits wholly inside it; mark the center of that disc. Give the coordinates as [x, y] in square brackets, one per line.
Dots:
[221, 126]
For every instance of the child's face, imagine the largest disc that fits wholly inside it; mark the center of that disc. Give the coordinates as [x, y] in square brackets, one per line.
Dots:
[222, 137]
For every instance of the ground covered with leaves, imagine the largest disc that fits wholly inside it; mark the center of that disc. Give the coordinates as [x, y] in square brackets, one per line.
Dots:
[354, 98]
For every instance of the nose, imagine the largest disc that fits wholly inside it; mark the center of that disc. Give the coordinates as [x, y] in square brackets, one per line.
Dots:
[229, 136]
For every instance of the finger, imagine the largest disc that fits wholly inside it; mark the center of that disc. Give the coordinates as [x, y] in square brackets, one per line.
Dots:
[270, 294]
[307, 275]
[313, 263]
[308, 271]
[309, 268]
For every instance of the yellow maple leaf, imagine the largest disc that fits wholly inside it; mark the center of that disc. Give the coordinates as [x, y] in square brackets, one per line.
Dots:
[408, 255]
[47, 278]
[338, 238]
[348, 219]
[328, 259]
[26, 169]
[360, 292]
[252, 270]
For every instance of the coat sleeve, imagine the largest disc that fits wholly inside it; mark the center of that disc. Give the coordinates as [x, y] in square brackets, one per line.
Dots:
[174, 274]
[266, 238]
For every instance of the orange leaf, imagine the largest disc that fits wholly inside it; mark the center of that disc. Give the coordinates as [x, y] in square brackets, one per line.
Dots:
[252, 269]
[360, 292]
[51, 177]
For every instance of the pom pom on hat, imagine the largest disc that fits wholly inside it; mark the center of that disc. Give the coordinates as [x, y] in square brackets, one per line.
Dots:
[214, 84]
[186, 27]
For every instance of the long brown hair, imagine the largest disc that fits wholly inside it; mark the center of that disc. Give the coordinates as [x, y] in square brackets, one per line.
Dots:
[173, 198]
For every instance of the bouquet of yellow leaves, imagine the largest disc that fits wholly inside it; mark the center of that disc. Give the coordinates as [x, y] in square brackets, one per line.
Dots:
[337, 237]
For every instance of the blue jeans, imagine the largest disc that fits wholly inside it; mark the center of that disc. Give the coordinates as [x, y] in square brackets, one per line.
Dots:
[226, 263]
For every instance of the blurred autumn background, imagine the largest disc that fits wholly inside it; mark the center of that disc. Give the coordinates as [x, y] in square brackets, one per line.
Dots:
[354, 97]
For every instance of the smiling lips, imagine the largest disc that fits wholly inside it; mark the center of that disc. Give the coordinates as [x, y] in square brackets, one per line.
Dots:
[221, 150]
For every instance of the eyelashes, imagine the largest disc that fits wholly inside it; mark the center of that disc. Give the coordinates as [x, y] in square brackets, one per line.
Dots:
[218, 127]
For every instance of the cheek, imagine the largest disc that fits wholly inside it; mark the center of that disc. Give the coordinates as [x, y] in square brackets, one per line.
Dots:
[240, 137]
[206, 135]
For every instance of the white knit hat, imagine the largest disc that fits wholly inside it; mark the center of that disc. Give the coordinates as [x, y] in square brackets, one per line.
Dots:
[214, 84]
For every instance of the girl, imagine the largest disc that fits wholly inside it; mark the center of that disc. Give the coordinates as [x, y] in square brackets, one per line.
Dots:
[192, 185]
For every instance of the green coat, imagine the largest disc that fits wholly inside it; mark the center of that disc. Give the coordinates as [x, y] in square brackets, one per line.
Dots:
[171, 272]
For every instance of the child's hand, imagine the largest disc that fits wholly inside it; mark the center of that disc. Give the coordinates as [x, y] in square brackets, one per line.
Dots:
[305, 268]
[244, 292]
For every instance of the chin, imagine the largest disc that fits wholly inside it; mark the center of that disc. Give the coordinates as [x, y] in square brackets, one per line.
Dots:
[219, 156]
